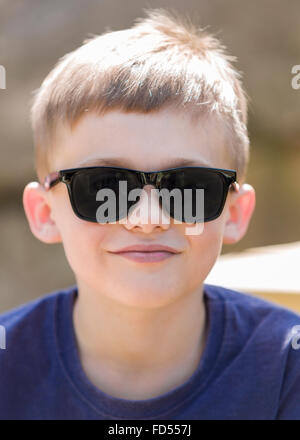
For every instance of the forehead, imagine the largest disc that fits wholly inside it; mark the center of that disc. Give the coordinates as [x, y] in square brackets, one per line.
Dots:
[157, 140]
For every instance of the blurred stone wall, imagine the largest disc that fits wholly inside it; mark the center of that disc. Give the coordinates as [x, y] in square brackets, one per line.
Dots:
[265, 37]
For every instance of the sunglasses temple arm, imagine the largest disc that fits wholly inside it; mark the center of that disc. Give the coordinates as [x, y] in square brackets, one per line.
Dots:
[51, 180]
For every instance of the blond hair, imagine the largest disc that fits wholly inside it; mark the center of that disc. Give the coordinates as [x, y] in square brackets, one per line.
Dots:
[163, 60]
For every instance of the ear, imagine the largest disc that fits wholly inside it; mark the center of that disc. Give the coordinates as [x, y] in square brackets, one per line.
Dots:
[240, 210]
[38, 213]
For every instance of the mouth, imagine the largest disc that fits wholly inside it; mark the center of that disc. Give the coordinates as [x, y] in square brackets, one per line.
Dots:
[147, 253]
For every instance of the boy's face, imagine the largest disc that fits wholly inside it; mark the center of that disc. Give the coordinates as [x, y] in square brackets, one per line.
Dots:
[145, 142]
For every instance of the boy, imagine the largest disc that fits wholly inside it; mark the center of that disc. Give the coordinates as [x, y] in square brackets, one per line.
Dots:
[140, 335]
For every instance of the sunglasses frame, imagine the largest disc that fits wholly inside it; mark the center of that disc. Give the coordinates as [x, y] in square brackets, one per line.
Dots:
[144, 177]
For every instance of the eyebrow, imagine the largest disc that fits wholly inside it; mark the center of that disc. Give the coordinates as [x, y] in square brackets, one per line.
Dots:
[123, 162]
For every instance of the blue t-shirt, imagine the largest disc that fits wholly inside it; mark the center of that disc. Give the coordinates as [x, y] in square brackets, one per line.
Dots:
[249, 369]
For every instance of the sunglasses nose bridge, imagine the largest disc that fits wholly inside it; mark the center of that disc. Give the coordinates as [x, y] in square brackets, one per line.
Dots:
[151, 178]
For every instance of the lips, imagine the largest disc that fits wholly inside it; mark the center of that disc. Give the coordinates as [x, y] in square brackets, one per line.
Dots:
[147, 248]
[147, 253]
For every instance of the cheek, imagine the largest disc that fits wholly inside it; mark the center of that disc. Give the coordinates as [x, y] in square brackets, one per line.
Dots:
[82, 244]
[205, 249]
[81, 239]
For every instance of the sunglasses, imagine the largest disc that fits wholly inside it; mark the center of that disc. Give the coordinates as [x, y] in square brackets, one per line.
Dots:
[84, 183]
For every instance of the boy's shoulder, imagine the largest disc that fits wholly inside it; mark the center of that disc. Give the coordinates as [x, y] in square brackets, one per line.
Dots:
[33, 317]
[247, 304]
[29, 356]
[41, 303]
[250, 314]
[245, 301]
[263, 339]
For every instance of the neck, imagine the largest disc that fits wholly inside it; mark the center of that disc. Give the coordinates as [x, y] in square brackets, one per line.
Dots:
[117, 343]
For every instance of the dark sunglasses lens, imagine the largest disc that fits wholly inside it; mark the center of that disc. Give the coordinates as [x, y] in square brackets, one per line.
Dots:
[102, 206]
[193, 207]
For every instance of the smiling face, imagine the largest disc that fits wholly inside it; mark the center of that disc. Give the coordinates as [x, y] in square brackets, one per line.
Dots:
[145, 142]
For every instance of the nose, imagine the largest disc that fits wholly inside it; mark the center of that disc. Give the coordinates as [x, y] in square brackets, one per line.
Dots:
[147, 215]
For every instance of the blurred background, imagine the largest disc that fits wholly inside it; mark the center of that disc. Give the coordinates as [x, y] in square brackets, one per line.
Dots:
[265, 37]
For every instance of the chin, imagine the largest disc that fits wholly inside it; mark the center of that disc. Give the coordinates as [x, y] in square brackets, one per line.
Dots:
[145, 296]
